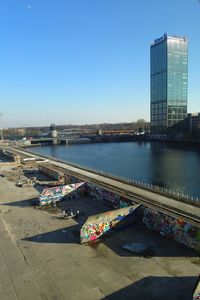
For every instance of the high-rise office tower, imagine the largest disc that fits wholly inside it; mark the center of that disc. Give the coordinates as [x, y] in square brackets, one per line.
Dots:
[169, 82]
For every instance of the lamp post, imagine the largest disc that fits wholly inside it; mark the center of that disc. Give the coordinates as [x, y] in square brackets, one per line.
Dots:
[1, 116]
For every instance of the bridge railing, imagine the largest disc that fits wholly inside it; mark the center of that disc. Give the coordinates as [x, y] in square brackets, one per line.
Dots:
[164, 191]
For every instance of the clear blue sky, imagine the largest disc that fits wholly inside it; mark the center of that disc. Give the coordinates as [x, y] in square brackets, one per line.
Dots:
[87, 61]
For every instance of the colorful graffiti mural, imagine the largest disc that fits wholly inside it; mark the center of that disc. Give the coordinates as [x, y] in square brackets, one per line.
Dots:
[172, 228]
[98, 225]
[108, 198]
[54, 194]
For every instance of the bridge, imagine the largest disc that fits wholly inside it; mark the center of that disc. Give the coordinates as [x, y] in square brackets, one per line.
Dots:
[59, 140]
[87, 139]
[190, 212]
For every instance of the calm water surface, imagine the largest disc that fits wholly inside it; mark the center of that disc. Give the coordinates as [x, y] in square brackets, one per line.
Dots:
[162, 164]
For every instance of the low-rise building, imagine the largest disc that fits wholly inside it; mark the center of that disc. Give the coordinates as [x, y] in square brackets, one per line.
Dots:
[189, 127]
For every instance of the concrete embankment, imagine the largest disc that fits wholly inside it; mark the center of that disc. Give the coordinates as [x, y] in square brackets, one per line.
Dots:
[162, 214]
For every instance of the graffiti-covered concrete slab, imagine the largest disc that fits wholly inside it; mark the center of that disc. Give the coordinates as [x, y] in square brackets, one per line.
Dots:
[54, 194]
[172, 228]
[98, 225]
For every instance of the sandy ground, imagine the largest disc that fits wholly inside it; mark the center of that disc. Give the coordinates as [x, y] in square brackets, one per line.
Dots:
[41, 258]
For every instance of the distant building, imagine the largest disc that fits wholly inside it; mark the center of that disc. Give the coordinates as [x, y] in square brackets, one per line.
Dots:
[189, 127]
[53, 131]
[169, 82]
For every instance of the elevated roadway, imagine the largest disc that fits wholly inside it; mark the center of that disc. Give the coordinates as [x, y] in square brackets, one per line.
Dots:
[165, 204]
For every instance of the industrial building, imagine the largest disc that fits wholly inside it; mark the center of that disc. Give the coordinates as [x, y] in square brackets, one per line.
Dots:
[187, 128]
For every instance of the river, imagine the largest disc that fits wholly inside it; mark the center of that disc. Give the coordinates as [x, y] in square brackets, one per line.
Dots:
[164, 164]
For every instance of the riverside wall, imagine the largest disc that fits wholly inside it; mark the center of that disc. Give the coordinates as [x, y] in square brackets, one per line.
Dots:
[172, 228]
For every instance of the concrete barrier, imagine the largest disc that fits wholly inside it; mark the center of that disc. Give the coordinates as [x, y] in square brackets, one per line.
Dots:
[98, 225]
[51, 172]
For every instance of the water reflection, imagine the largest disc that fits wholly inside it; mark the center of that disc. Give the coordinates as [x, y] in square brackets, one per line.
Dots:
[53, 151]
[175, 168]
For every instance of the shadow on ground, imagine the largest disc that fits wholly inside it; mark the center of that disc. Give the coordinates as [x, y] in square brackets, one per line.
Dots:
[21, 203]
[160, 246]
[65, 235]
[157, 288]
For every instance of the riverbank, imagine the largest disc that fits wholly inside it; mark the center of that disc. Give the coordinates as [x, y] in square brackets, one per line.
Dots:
[169, 166]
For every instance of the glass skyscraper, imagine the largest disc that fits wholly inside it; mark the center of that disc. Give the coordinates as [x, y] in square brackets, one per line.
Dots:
[169, 82]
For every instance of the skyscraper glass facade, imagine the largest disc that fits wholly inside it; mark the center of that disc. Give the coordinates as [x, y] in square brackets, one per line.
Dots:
[169, 81]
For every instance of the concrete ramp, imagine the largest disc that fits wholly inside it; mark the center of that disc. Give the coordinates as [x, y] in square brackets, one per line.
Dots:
[98, 225]
[54, 194]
